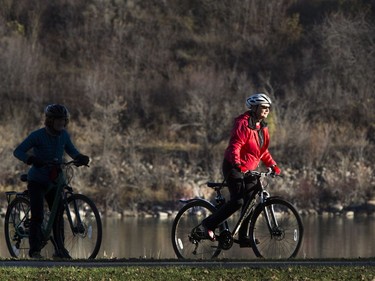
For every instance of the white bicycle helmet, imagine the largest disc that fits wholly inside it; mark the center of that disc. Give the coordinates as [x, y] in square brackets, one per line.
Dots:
[258, 99]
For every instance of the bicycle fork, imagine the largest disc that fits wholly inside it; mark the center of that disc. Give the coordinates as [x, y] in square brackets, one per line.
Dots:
[270, 217]
[77, 227]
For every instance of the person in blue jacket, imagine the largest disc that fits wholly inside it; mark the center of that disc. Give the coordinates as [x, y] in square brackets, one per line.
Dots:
[43, 146]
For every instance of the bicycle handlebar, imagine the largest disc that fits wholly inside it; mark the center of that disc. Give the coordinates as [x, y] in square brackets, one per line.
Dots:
[259, 174]
[268, 173]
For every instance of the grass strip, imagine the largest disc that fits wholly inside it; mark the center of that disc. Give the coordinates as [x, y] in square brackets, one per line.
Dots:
[189, 273]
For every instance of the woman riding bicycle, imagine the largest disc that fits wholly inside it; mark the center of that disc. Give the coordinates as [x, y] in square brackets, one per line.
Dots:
[48, 145]
[248, 146]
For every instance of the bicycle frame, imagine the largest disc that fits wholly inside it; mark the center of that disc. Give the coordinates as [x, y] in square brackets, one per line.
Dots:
[274, 227]
[248, 210]
[260, 193]
[71, 224]
[251, 204]
[59, 183]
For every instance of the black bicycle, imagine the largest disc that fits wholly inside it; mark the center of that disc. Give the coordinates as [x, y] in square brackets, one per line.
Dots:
[275, 227]
[78, 227]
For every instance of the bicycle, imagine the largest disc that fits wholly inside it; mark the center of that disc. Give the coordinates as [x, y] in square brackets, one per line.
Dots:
[78, 228]
[275, 227]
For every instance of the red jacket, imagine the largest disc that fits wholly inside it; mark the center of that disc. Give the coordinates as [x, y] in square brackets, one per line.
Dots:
[245, 144]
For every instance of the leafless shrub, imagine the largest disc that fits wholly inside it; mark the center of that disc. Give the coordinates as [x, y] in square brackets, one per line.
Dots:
[351, 182]
[349, 45]
[153, 87]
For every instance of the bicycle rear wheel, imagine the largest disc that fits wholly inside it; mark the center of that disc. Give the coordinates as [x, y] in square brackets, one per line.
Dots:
[16, 227]
[185, 244]
[276, 230]
[80, 233]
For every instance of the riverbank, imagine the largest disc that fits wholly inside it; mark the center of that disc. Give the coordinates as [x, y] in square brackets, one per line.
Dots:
[365, 210]
[162, 212]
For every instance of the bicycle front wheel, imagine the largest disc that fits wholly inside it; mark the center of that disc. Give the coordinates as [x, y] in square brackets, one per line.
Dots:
[16, 227]
[185, 244]
[276, 230]
[80, 228]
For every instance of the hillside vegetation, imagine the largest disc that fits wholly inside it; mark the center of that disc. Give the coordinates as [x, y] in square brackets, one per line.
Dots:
[153, 87]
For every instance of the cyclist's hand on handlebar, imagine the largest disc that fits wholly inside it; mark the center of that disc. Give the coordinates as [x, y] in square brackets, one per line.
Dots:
[275, 170]
[37, 162]
[81, 160]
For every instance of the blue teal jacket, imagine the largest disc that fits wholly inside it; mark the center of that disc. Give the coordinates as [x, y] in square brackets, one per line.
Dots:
[46, 147]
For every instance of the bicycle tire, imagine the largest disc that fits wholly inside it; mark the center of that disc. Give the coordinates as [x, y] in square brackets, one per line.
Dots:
[83, 241]
[16, 227]
[189, 217]
[283, 240]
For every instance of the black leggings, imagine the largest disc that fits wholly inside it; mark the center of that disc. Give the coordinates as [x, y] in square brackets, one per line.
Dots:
[239, 194]
[37, 193]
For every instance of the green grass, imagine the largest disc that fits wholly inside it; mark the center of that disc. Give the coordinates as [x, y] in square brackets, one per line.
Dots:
[188, 273]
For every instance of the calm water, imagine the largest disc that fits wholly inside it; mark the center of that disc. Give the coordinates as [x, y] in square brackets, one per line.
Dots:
[335, 237]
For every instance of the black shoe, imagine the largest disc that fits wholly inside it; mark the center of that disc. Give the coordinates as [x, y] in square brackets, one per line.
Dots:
[245, 242]
[204, 233]
[58, 256]
[36, 255]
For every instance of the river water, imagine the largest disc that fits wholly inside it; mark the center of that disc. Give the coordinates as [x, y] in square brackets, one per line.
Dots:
[325, 237]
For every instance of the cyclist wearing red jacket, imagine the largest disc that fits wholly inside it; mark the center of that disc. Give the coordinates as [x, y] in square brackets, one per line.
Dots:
[248, 145]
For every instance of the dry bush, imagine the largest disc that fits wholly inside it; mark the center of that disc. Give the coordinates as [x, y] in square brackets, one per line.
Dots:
[293, 129]
[154, 86]
[348, 43]
[99, 138]
[19, 67]
[207, 115]
[352, 182]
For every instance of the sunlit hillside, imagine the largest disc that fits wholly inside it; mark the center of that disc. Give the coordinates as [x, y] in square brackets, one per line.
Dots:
[153, 87]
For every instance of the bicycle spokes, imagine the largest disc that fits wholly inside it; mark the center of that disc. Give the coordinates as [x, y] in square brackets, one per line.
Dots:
[276, 230]
[188, 239]
[81, 233]
[16, 227]
[273, 224]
